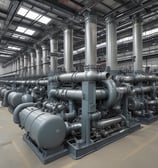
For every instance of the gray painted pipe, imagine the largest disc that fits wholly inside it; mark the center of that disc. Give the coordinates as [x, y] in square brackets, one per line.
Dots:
[137, 43]
[68, 49]
[90, 40]
[111, 39]
[112, 93]
[18, 109]
[81, 76]
[107, 122]
[75, 94]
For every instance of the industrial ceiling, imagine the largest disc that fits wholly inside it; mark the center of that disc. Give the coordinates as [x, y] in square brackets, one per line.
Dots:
[27, 23]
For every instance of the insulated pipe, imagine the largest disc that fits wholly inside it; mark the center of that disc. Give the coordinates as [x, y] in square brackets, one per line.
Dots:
[68, 50]
[137, 78]
[45, 62]
[18, 66]
[32, 55]
[18, 109]
[90, 40]
[25, 65]
[75, 94]
[137, 43]
[111, 39]
[143, 89]
[21, 65]
[28, 66]
[81, 76]
[107, 122]
[53, 52]
[38, 61]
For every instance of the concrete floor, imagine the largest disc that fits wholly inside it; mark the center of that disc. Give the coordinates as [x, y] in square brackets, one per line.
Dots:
[138, 150]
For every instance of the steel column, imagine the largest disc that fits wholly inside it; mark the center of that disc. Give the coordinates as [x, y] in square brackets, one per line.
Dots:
[90, 40]
[68, 49]
[25, 65]
[111, 40]
[45, 62]
[137, 43]
[32, 55]
[38, 61]
[53, 54]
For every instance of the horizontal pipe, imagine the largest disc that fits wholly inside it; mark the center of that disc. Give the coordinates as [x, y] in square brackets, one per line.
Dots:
[136, 78]
[81, 76]
[75, 94]
[107, 122]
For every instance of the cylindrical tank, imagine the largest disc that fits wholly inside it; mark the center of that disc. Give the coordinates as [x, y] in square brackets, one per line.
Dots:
[27, 98]
[15, 98]
[46, 130]
[2, 92]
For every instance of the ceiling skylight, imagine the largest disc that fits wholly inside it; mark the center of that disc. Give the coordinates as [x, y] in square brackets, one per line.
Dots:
[21, 29]
[30, 14]
[18, 36]
[14, 48]
[44, 20]
[29, 32]
[22, 11]
[25, 30]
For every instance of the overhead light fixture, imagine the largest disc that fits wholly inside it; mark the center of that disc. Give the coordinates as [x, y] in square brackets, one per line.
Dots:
[18, 36]
[21, 29]
[22, 11]
[44, 20]
[32, 15]
[14, 48]
[6, 56]
[29, 32]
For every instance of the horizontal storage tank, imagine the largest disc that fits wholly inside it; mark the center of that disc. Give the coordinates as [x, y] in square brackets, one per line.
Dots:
[46, 130]
[14, 98]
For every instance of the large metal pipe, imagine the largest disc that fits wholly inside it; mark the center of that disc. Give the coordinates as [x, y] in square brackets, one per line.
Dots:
[136, 78]
[107, 122]
[18, 66]
[21, 65]
[38, 61]
[90, 40]
[68, 50]
[25, 65]
[45, 56]
[32, 55]
[81, 76]
[53, 52]
[137, 43]
[75, 94]
[28, 65]
[111, 39]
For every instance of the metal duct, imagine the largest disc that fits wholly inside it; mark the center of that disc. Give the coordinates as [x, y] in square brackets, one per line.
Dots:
[68, 49]
[75, 94]
[53, 51]
[44, 55]
[137, 43]
[38, 61]
[90, 40]
[111, 39]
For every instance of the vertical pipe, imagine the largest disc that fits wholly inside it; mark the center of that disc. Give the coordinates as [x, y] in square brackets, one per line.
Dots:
[68, 49]
[38, 61]
[25, 65]
[29, 65]
[137, 43]
[18, 66]
[32, 55]
[53, 54]
[111, 39]
[21, 66]
[89, 87]
[90, 40]
[45, 62]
